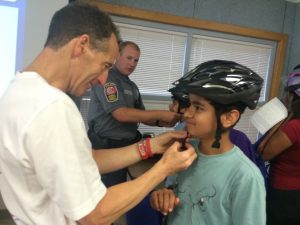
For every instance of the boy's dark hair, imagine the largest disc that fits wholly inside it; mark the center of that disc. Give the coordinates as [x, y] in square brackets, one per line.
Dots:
[221, 109]
[182, 98]
[76, 19]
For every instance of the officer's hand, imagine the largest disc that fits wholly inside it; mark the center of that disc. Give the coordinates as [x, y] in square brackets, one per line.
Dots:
[169, 119]
[164, 200]
[160, 143]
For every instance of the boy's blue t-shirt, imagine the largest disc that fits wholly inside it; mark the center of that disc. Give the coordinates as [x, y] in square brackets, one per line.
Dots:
[225, 189]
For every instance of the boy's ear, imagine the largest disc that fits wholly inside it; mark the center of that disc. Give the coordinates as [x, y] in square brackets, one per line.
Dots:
[229, 119]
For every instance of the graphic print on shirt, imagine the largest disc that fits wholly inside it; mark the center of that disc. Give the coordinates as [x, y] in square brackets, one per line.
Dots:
[111, 92]
[200, 198]
[195, 201]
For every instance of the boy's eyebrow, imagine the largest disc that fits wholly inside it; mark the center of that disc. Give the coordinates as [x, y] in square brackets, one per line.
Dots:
[197, 102]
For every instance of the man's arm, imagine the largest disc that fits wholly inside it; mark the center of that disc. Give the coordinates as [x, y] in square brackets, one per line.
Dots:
[120, 198]
[149, 117]
[109, 160]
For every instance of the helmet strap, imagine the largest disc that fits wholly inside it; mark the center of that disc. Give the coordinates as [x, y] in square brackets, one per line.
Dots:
[179, 107]
[218, 134]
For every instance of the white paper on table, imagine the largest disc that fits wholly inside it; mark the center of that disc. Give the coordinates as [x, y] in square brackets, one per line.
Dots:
[269, 115]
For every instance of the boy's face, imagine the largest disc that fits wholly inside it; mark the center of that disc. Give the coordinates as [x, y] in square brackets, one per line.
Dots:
[200, 118]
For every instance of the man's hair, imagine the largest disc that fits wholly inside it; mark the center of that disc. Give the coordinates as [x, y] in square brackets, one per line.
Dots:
[76, 19]
[123, 44]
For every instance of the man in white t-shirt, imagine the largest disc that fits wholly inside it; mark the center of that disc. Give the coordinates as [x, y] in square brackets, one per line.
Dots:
[48, 171]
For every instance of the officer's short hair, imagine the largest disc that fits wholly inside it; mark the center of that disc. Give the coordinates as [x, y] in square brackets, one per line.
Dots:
[123, 44]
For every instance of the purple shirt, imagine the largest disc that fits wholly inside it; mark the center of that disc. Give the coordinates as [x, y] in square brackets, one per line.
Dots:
[242, 141]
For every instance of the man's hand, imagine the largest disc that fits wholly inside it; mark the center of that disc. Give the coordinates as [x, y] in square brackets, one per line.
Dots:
[160, 143]
[175, 160]
[164, 200]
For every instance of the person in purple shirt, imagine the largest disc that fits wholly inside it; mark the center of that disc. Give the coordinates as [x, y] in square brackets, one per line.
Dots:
[241, 140]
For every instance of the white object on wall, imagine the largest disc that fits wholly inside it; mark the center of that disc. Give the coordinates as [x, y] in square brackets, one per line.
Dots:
[268, 115]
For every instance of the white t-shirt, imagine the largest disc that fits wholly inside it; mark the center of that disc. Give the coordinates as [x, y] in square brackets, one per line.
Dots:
[48, 175]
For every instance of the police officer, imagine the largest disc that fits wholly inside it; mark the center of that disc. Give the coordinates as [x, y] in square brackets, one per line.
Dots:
[116, 108]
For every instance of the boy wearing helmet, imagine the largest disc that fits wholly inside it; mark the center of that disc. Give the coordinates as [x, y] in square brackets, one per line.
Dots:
[180, 101]
[282, 147]
[222, 186]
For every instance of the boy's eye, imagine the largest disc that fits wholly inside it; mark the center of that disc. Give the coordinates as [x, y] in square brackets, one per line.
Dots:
[198, 107]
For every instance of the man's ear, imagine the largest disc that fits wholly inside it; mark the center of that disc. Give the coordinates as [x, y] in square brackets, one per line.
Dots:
[229, 119]
[82, 43]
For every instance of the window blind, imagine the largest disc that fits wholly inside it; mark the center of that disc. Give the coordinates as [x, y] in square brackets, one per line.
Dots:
[255, 56]
[161, 60]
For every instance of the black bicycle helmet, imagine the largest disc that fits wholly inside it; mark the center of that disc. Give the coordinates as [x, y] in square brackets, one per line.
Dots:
[180, 96]
[224, 82]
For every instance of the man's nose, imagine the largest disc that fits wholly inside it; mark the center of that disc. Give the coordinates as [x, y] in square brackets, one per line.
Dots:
[103, 77]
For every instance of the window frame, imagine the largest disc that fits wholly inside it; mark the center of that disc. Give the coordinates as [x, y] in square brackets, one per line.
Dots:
[227, 29]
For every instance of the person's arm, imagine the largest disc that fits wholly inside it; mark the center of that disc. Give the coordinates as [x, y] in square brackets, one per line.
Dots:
[122, 197]
[274, 143]
[109, 160]
[149, 117]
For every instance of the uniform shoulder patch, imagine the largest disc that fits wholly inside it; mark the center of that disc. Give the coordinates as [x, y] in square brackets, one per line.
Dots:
[111, 92]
